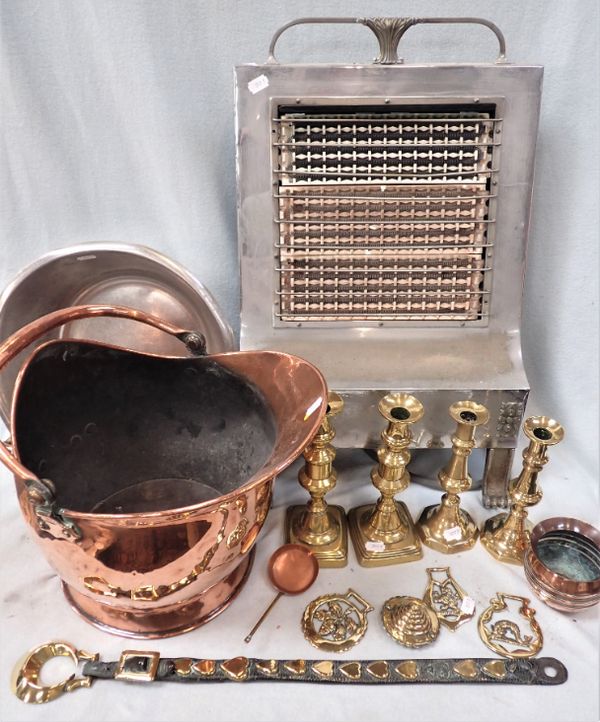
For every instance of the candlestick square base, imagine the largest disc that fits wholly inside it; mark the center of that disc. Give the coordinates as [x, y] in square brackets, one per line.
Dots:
[380, 553]
[331, 555]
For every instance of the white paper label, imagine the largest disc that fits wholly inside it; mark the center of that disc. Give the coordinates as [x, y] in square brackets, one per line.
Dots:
[374, 546]
[453, 533]
[258, 84]
[467, 606]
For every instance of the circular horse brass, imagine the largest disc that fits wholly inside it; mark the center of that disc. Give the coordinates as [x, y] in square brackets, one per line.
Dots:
[336, 622]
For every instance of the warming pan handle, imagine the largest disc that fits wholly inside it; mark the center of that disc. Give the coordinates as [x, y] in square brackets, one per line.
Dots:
[389, 32]
[13, 345]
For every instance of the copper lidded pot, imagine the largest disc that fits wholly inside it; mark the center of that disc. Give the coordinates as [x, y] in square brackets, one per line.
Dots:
[146, 478]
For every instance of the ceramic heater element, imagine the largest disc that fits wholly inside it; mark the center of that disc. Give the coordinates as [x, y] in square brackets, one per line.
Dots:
[383, 215]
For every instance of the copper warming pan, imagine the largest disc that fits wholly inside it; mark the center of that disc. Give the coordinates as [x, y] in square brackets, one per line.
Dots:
[146, 478]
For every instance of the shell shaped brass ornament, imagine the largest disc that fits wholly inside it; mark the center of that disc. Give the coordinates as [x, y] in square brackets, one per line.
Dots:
[336, 622]
[410, 621]
[447, 599]
[504, 636]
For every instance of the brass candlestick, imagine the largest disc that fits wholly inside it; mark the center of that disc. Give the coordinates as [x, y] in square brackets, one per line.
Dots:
[506, 535]
[446, 527]
[317, 525]
[384, 533]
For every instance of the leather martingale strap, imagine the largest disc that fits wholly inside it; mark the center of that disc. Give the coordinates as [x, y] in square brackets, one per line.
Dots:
[148, 666]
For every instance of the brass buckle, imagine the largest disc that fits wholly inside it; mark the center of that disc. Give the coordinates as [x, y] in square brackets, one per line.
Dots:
[137, 666]
[27, 683]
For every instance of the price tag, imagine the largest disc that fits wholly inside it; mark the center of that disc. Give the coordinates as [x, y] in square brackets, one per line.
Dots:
[375, 546]
[259, 83]
[453, 534]
[467, 606]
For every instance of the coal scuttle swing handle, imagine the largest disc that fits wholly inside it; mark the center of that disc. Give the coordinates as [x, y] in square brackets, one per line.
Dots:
[41, 491]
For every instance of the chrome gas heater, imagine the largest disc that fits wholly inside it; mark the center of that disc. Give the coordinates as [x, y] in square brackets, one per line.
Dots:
[383, 216]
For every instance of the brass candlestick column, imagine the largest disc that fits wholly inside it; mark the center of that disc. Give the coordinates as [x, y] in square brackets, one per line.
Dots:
[319, 526]
[383, 533]
[445, 526]
[506, 536]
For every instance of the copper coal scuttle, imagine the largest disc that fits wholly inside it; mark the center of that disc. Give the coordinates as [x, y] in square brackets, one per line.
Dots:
[147, 478]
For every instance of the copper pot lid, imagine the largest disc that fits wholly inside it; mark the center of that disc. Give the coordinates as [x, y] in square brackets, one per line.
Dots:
[116, 274]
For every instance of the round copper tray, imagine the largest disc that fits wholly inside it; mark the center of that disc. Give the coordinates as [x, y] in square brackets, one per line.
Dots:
[117, 274]
[562, 563]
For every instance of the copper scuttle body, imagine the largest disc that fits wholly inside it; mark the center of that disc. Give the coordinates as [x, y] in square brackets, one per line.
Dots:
[146, 478]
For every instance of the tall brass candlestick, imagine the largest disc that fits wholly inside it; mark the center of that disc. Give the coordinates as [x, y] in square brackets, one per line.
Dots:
[317, 525]
[445, 526]
[506, 535]
[383, 533]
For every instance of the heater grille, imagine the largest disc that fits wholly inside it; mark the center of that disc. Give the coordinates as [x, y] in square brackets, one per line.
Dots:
[384, 215]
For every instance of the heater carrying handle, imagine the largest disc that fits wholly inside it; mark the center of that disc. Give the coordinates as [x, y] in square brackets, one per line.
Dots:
[389, 31]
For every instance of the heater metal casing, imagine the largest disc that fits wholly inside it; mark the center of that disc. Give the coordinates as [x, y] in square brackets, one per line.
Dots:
[364, 349]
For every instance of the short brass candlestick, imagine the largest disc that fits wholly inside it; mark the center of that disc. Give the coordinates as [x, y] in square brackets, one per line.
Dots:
[317, 525]
[506, 535]
[384, 533]
[446, 527]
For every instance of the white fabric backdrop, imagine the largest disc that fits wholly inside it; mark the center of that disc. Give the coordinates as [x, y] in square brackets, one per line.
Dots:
[117, 124]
